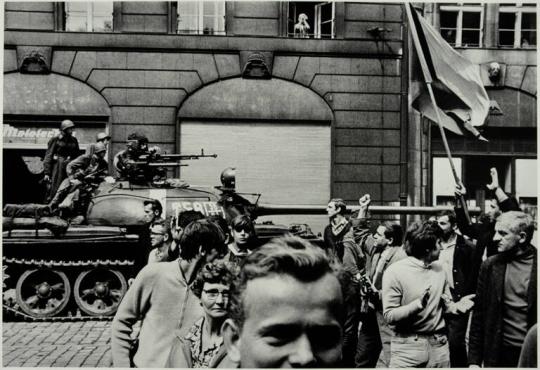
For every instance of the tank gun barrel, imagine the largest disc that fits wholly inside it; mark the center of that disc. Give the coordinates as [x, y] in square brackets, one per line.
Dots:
[158, 157]
[281, 209]
[160, 164]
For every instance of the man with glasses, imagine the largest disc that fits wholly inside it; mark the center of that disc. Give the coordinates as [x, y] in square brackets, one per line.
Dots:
[160, 241]
[161, 298]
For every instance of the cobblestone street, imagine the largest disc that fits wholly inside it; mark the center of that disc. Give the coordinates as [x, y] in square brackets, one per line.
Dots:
[62, 344]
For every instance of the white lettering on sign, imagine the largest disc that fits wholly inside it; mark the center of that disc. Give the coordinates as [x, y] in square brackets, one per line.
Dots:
[206, 208]
[30, 133]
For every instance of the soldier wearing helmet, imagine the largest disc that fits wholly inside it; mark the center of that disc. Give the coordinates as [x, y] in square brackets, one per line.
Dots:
[60, 150]
[234, 203]
[86, 168]
[101, 137]
[137, 145]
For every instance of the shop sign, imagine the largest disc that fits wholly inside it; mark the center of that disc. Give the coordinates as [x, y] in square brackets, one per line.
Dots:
[25, 135]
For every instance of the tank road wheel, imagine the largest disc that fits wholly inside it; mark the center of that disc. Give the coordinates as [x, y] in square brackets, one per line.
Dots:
[43, 292]
[98, 292]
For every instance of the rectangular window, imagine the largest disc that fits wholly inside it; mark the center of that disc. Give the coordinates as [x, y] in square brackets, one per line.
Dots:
[462, 24]
[201, 17]
[89, 16]
[311, 19]
[517, 25]
[527, 187]
[443, 180]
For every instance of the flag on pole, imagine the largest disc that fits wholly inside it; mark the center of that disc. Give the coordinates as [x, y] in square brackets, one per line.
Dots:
[462, 100]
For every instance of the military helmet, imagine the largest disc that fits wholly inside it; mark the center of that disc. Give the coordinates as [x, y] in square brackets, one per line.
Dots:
[99, 147]
[66, 124]
[102, 136]
[228, 179]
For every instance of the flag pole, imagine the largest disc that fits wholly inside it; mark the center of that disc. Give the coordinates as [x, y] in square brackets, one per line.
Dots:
[429, 80]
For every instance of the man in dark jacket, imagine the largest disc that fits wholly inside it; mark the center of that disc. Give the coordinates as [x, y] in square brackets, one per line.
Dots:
[86, 167]
[505, 304]
[456, 259]
[60, 150]
[484, 231]
[340, 247]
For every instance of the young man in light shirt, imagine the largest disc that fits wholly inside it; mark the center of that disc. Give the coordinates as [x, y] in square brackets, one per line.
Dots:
[416, 294]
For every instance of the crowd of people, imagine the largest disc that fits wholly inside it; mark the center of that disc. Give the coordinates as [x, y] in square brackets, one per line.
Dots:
[448, 298]
[448, 292]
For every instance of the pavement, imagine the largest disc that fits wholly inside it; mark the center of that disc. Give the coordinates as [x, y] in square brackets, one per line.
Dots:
[77, 344]
[56, 344]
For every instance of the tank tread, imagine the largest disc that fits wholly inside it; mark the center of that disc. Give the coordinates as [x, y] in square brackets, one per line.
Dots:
[14, 312]
[40, 263]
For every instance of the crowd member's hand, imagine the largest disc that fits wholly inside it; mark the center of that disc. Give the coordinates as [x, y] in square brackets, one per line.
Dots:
[46, 178]
[466, 303]
[460, 189]
[364, 201]
[494, 179]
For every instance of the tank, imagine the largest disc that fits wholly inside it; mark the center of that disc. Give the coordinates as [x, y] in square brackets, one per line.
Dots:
[54, 273]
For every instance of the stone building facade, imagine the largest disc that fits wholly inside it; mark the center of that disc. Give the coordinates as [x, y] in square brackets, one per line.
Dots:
[303, 119]
[327, 113]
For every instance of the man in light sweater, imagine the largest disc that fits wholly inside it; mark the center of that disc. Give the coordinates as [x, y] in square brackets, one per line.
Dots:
[415, 296]
[160, 296]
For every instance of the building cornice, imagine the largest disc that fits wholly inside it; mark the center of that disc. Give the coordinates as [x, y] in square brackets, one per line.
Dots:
[108, 41]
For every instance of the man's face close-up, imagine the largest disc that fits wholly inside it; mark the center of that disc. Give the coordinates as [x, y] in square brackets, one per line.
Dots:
[445, 225]
[331, 209]
[380, 238]
[157, 236]
[149, 213]
[505, 238]
[493, 211]
[290, 323]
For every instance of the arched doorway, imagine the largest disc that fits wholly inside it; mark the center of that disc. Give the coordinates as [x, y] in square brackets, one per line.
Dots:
[276, 134]
[34, 106]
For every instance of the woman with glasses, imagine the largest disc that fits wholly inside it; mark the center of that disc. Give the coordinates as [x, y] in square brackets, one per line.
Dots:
[203, 346]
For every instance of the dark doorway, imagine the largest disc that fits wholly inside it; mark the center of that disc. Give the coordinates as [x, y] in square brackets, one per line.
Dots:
[22, 171]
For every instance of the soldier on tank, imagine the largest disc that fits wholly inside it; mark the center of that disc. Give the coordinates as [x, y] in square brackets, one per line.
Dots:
[60, 150]
[234, 204]
[86, 168]
[126, 164]
[101, 137]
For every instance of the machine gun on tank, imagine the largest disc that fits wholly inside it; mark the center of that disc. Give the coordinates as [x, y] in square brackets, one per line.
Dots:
[156, 159]
[151, 166]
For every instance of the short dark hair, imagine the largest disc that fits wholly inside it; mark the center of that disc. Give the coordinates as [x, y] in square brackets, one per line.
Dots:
[448, 213]
[156, 205]
[422, 238]
[217, 272]
[187, 217]
[221, 222]
[340, 205]
[243, 222]
[201, 233]
[394, 231]
[289, 255]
